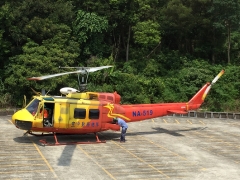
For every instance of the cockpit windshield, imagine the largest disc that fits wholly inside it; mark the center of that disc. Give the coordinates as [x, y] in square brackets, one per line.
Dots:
[33, 106]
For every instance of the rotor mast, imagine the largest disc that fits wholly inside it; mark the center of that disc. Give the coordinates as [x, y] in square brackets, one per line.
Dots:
[82, 77]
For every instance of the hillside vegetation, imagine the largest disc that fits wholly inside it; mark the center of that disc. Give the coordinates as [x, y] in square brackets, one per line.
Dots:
[162, 51]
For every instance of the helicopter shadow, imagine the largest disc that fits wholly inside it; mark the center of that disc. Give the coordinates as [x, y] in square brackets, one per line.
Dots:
[176, 132]
[28, 138]
[66, 155]
[107, 135]
[157, 130]
[23, 139]
[49, 138]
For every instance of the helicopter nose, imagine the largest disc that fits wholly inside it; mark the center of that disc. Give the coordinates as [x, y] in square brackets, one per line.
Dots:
[22, 119]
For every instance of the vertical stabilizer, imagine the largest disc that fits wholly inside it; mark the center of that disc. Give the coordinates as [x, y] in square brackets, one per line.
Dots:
[199, 97]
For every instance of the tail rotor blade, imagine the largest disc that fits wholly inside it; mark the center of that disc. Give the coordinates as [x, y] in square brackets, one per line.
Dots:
[217, 77]
[213, 81]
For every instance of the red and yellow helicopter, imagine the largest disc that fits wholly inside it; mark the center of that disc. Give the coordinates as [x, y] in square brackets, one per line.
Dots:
[79, 112]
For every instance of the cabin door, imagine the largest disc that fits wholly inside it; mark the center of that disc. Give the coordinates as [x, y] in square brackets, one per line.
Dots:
[61, 115]
[84, 116]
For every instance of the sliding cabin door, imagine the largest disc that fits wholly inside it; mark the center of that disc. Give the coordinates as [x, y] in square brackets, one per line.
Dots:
[84, 116]
[77, 116]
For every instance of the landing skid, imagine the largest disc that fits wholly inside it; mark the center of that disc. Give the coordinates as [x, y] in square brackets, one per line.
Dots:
[45, 143]
[31, 133]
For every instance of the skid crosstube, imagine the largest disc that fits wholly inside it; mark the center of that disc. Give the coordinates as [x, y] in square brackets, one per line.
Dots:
[45, 143]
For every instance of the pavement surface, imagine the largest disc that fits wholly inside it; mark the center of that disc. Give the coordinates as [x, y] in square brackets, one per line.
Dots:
[161, 148]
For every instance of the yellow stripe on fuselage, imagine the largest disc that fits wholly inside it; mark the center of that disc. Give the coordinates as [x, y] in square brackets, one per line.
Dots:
[113, 115]
[64, 113]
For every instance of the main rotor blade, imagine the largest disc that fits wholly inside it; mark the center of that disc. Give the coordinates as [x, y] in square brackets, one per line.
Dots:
[82, 71]
[53, 75]
[92, 69]
[86, 68]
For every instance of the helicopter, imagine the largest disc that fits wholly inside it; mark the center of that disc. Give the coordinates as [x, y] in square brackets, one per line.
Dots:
[84, 112]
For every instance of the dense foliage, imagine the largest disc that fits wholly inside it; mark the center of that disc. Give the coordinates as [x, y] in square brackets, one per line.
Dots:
[162, 51]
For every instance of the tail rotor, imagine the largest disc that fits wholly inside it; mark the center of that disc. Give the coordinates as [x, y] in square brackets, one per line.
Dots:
[200, 96]
[213, 81]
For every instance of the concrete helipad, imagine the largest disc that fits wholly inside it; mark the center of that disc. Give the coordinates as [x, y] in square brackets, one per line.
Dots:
[162, 148]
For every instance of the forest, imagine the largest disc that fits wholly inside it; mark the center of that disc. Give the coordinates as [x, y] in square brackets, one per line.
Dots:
[160, 50]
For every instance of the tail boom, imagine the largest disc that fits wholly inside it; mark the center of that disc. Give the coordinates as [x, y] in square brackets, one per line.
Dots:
[141, 112]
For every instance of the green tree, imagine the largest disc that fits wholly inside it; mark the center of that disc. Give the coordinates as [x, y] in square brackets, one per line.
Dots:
[122, 15]
[235, 47]
[147, 33]
[177, 21]
[226, 16]
[5, 44]
[89, 29]
[39, 60]
[30, 14]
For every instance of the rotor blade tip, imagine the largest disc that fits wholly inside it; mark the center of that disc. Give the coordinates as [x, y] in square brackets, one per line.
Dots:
[33, 78]
[222, 72]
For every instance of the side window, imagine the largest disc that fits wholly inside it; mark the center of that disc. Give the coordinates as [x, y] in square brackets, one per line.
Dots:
[93, 113]
[102, 96]
[110, 98]
[33, 106]
[79, 113]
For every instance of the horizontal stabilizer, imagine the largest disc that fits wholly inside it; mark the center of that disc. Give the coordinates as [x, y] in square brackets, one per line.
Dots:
[177, 112]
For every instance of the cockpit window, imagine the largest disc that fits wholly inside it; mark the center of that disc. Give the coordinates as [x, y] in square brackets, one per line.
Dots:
[33, 106]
